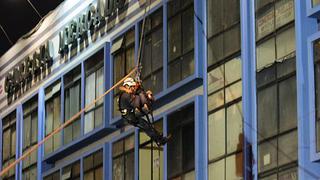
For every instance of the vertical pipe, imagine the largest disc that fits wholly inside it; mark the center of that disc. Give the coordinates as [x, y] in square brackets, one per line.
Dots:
[41, 130]
[250, 149]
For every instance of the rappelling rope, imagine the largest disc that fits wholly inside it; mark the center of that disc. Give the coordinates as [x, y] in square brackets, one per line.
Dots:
[68, 122]
[136, 70]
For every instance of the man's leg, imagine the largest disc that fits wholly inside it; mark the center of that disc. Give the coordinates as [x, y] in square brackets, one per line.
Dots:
[148, 128]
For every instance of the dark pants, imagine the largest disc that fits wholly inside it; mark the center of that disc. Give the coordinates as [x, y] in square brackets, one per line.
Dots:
[143, 125]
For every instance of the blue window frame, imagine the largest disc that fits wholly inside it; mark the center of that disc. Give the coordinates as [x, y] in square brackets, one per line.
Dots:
[314, 64]
[181, 62]
[152, 52]
[72, 104]
[30, 138]
[150, 155]
[123, 58]
[94, 87]
[316, 52]
[52, 116]
[9, 143]
[123, 158]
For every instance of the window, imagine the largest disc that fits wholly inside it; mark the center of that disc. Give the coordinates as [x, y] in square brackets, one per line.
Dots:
[94, 88]
[123, 159]
[72, 104]
[9, 144]
[278, 48]
[181, 147]
[180, 40]
[271, 15]
[225, 126]
[53, 176]
[223, 30]
[315, 2]
[71, 172]
[53, 116]
[150, 157]
[152, 57]
[30, 138]
[123, 61]
[316, 47]
[93, 166]
[276, 88]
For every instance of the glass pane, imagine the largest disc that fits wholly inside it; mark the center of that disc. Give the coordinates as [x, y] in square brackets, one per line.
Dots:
[98, 174]
[99, 84]
[129, 143]
[267, 155]
[288, 148]
[118, 67]
[285, 43]
[317, 89]
[88, 175]
[216, 79]
[231, 41]
[13, 141]
[284, 12]
[234, 128]
[234, 91]
[215, 49]
[174, 37]
[98, 116]
[146, 57]
[6, 140]
[174, 71]
[288, 104]
[129, 59]
[118, 169]
[266, 75]
[215, 100]
[315, 2]
[88, 163]
[272, 177]
[233, 70]
[215, 17]
[318, 135]
[157, 49]
[187, 30]
[217, 170]
[117, 148]
[157, 82]
[290, 174]
[145, 161]
[90, 88]
[316, 50]
[34, 126]
[217, 134]
[89, 122]
[267, 112]
[234, 167]
[27, 131]
[286, 67]
[265, 22]
[187, 65]
[129, 166]
[174, 147]
[189, 176]
[49, 117]
[266, 54]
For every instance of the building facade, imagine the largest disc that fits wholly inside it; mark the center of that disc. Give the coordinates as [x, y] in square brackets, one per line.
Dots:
[236, 85]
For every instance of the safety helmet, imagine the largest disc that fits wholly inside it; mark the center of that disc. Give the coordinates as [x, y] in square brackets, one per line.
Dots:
[129, 82]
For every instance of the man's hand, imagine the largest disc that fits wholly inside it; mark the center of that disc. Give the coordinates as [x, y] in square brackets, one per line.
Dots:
[150, 95]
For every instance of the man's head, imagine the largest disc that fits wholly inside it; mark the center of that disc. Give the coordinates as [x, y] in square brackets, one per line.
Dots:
[129, 83]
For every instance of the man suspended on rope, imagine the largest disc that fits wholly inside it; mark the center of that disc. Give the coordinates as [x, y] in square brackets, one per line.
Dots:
[134, 104]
